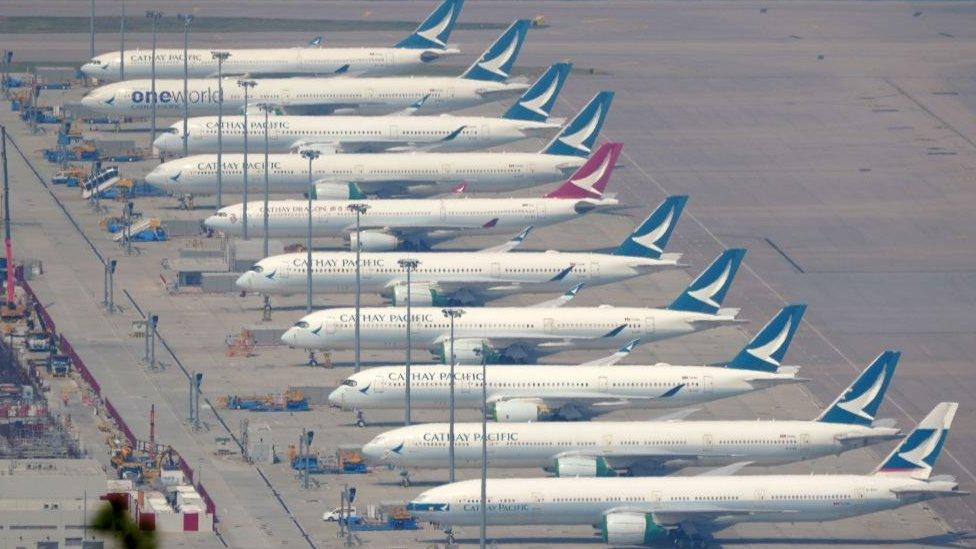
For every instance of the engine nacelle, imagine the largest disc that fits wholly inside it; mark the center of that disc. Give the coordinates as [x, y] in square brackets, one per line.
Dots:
[518, 411]
[466, 351]
[330, 191]
[421, 295]
[626, 528]
[583, 466]
[375, 241]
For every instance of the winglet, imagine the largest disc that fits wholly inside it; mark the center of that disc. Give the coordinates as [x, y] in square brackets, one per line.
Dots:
[495, 64]
[616, 357]
[513, 243]
[765, 351]
[579, 135]
[434, 31]
[859, 403]
[536, 103]
[916, 455]
[561, 300]
[590, 180]
[705, 293]
[355, 193]
[652, 235]
[460, 188]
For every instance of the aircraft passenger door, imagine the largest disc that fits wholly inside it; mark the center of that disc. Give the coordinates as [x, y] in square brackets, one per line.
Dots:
[394, 132]
[496, 270]
[656, 496]
[484, 130]
[594, 269]
[649, 326]
[443, 211]
[607, 442]
[708, 443]
[536, 502]
[760, 494]
[707, 385]
[359, 171]
[549, 326]
[804, 439]
[330, 327]
[601, 383]
[540, 211]
[446, 169]
[379, 384]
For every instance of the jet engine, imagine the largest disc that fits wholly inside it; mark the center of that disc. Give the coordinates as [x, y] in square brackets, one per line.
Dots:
[631, 528]
[466, 351]
[375, 241]
[421, 295]
[330, 191]
[518, 410]
[583, 466]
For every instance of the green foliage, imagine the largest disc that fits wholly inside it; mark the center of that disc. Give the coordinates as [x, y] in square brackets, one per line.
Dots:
[113, 521]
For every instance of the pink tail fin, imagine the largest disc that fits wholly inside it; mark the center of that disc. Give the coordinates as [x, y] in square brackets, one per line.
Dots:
[590, 180]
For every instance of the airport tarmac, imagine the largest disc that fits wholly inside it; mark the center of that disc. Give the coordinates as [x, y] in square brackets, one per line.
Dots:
[836, 141]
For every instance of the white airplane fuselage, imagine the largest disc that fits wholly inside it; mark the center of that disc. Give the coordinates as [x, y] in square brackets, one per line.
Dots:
[396, 172]
[630, 386]
[263, 61]
[747, 498]
[299, 95]
[668, 443]
[549, 329]
[289, 218]
[490, 274]
[351, 133]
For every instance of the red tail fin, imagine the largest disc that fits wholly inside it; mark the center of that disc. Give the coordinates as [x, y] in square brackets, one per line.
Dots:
[590, 180]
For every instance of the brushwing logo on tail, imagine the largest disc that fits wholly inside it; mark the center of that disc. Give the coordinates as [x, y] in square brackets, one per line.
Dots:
[707, 293]
[576, 139]
[536, 103]
[587, 182]
[926, 444]
[495, 64]
[650, 240]
[434, 31]
[858, 404]
[766, 351]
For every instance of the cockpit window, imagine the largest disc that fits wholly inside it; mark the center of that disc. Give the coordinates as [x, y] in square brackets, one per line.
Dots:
[349, 383]
[173, 131]
[221, 214]
[301, 324]
[260, 269]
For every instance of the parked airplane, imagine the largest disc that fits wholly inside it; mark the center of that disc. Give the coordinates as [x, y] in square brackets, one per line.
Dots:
[391, 224]
[395, 173]
[427, 43]
[523, 333]
[472, 278]
[574, 392]
[636, 511]
[648, 447]
[484, 81]
[527, 117]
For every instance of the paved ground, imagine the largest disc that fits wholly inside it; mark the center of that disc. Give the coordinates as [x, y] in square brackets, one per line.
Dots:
[849, 178]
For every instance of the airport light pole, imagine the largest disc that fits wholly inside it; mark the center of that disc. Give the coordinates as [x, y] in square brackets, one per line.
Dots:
[408, 265]
[266, 107]
[311, 155]
[220, 56]
[92, 28]
[452, 314]
[122, 43]
[246, 84]
[484, 445]
[360, 208]
[154, 16]
[186, 18]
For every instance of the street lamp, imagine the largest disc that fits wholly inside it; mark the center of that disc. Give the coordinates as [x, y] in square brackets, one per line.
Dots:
[187, 18]
[452, 314]
[360, 208]
[92, 25]
[154, 16]
[220, 56]
[408, 265]
[122, 44]
[484, 444]
[310, 155]
[266, 107]
[246, 84]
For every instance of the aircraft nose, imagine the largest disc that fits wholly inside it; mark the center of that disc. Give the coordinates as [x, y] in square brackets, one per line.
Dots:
[336, 396]
[169, 143]
[158, 177]
[246, 281]
[90, 100]
[290, 337]
[212, 223]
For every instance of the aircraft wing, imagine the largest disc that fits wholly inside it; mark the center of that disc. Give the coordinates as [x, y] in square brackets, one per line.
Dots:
[604, 400]
[563, 299]
[616, 357]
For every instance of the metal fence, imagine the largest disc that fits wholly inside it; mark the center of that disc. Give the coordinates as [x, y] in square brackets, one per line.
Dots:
[79, 366]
